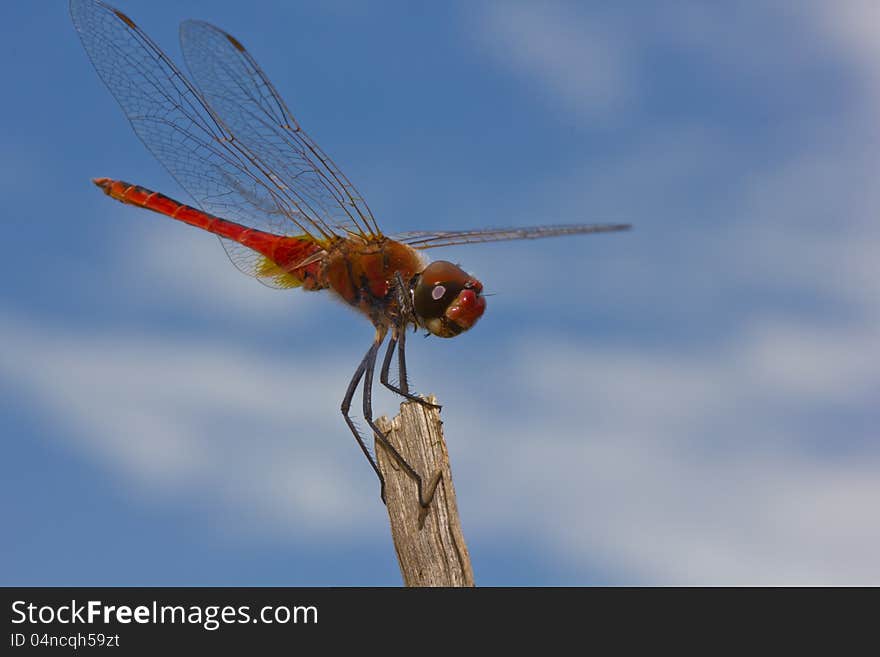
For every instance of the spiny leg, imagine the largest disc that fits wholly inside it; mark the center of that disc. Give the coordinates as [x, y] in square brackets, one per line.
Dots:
[401, 362]
[386, 364]
[401, 372]
[346, 406]
[370, 363]
[398, 339]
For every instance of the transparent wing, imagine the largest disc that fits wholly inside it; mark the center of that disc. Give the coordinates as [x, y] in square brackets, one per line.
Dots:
[431, 240]
[243, 97]
[171, 118]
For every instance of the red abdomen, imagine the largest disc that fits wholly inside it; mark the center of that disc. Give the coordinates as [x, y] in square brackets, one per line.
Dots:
[282, 252]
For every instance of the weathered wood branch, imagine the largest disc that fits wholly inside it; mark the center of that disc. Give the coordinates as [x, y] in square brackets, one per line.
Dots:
[429, 542]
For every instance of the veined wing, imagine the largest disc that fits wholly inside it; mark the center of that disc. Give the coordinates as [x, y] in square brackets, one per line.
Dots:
[430, 240]
[173, 121]
[236, 88]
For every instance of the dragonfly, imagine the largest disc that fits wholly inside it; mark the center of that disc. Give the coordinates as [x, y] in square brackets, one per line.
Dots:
[284, 212]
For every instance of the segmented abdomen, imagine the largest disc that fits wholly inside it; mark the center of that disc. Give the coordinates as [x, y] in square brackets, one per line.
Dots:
[281, 253]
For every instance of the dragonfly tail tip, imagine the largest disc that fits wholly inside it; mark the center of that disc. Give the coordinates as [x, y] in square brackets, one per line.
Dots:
[103, 183]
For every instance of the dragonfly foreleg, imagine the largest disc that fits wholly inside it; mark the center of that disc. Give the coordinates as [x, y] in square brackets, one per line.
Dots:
[401, 362]
[398, 339]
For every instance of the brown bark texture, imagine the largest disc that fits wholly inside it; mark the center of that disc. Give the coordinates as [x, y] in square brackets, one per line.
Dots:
[430, 544]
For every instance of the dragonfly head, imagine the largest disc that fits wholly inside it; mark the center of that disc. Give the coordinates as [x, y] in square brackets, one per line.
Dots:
[447, 300]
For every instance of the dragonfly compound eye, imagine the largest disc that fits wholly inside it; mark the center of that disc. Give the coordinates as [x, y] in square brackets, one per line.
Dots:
[447, 300]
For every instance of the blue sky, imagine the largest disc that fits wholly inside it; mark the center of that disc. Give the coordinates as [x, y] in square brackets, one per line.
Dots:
[694, 402]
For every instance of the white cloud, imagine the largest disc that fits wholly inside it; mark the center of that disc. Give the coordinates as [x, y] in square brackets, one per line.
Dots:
[692, 467]
[714, 218]
[201, 418]
[852, 25]
[689, 467]
[745, 458]
[821, 365]
[585, 65]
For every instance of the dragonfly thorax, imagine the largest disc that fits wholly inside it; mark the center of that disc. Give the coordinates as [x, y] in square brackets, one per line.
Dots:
[364, 274]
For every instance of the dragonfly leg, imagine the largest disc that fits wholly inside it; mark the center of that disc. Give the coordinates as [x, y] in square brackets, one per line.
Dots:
[346, 406]
[370, 365]
[398, 339]
[401, 362]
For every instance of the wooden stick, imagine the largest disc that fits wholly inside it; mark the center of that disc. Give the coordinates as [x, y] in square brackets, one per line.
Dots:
[429, 542]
